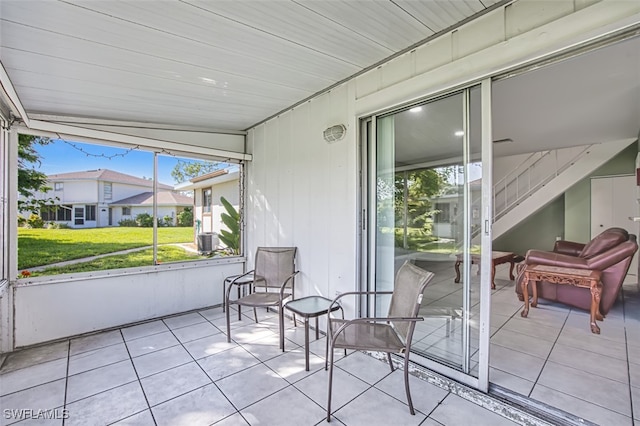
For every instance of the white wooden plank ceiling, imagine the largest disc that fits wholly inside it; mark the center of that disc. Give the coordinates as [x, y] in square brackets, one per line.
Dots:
[224, 64]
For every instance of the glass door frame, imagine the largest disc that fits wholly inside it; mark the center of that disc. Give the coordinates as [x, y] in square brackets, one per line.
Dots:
[368, 241]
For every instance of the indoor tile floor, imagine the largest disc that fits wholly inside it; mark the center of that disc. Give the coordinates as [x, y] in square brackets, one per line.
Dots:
[551, 356]
[180, 370]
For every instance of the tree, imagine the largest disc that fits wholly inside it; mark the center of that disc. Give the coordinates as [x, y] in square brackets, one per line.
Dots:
[31, 180]
[185, 170]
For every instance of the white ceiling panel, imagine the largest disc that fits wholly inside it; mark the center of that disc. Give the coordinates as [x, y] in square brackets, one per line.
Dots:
[224, 64]
[439, 15]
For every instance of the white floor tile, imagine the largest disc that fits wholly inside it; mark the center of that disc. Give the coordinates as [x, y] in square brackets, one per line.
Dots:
[144, 329]
[38, 374]
[226, 363]
[95, 341]
[297, 409]
[457, 411]
[164, 359]
[251, 385]
[99, 380]
[375, 407]
[203, 406]
[107, 407]
[151, 343]
[171, 383]
[195, 331]
[579, 407]
[37, 355]
[583, 385]
[184, 320]
[97, 358]
[43, 397]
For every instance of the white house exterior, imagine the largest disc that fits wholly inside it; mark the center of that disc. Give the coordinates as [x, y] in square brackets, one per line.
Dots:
[102, 197]
[207, 191]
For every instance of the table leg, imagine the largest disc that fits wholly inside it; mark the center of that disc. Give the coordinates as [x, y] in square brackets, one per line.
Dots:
[525, 294]
[457, 267]
[317, 331]
[493, 275]
[306, 343]
[596, 289]
[511, 276]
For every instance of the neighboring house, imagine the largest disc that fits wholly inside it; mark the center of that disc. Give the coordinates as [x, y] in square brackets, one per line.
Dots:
[207, 190]
[170, 203]
[103, 197]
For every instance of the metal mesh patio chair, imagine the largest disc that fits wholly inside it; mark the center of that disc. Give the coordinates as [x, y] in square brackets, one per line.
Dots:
[272, 284]
[391, 334]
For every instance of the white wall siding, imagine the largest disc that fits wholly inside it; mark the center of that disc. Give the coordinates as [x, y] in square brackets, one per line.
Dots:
[49, 311]
[302, 191]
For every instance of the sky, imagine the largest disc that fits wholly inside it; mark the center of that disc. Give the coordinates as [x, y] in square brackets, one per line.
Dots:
[62, 156]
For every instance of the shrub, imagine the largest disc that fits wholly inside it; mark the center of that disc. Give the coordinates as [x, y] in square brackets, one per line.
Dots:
[35, 221]
[22, 221]
[131, 223]
[144, 220]
[185, 217]
[168, 221]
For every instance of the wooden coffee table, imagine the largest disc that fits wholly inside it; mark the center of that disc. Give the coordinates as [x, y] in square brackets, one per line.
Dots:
[564, 276]
[497, 258]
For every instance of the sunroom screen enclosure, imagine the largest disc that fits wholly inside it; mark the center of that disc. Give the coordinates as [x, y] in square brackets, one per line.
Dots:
[425, 203]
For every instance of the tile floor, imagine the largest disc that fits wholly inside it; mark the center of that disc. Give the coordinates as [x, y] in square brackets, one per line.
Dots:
[550, 356]
[180, 370]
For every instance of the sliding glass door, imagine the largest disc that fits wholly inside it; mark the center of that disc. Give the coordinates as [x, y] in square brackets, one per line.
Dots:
[425, 186]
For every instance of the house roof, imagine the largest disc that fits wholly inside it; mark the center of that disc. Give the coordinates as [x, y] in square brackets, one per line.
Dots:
[209, 175]
[209, 180]
[107, 175]
[165, 198]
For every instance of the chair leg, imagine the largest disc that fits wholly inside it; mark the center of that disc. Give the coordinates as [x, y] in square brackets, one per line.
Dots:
[330, 380]
[281, 326]
[226, 302]
[406, 383]
[255, 314]
[390, 361]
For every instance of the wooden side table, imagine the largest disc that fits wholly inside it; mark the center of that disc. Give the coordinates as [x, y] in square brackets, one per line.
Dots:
[497, 258]
[585, 278]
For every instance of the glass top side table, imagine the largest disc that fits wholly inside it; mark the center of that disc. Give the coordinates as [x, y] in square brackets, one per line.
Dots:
[311, 307]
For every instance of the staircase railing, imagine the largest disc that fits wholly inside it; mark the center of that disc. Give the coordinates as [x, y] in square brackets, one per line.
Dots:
[534, 172]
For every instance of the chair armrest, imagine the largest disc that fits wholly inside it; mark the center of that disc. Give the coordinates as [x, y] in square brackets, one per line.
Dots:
[348, 293]
[540, 257]
[234, 281]
[568, 247]
[612, 256]
[284, 284]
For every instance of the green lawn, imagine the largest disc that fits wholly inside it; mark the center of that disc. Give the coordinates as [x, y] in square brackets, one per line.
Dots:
[38, 247]
[166, 254]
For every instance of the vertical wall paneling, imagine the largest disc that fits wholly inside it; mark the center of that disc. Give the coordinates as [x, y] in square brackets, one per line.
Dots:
[301, 219]
[272, 172]
[285, 178]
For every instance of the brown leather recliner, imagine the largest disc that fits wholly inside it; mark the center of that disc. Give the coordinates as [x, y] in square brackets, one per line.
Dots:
[610, 252]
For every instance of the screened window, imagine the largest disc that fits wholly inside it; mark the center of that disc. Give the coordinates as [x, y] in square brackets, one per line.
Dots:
[115, 209]
[58, 186]
[90, 213]
[206, 200]
[108, 190]
[56, 213]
